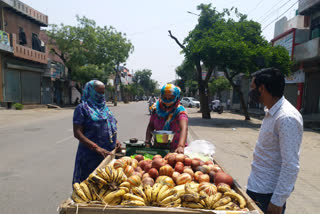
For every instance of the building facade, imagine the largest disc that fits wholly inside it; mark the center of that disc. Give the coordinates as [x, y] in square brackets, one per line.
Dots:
[23, 55]
[300, 36]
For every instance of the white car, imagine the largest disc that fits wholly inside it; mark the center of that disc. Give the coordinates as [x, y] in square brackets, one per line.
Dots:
[190, 102]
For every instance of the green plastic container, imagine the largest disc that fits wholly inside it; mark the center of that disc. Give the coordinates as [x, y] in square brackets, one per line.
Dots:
[145, 150]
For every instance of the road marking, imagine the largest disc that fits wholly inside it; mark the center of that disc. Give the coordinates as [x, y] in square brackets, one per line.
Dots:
[64, 139]
[69, 130]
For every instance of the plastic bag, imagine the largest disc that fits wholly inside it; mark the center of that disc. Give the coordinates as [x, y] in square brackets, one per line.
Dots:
[201, 149]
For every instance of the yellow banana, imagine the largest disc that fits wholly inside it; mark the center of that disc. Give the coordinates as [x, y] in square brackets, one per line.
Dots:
[238, 197]
[115, 201]
[180, 189]
[223, 201]
[148, 192]
[76, 198]
[224, 188]
[108, 198]
[203, 203]
[189, 189]
[97, 180]
[193, 205]
[101, 173]
[176, 203]
[86, 190]
[102, 192]
[120, 175]
[139, 192]
[109, 171]
[155, 190]
[170, 199]
[229, 206]
[162, 190]
[125, 184]
[115, 174]
[216, 197]
[167, 193]
[94, 191]
[132, 197]
[125, 189]
[80, 193]
[132, 203]
[195, 197]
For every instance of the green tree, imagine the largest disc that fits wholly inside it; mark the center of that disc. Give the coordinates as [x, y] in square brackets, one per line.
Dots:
[228, 40]
[143, 79]
[186, 71]
[87, 50]
[218, 85]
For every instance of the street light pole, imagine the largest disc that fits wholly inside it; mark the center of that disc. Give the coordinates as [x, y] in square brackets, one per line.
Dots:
[193, 13]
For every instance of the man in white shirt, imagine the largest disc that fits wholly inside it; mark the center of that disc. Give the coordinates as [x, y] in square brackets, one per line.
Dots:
[275, 164]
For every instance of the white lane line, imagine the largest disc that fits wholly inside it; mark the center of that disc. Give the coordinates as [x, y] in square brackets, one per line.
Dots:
[64, 139]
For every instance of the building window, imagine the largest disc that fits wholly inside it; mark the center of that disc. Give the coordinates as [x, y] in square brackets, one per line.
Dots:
[22, 36]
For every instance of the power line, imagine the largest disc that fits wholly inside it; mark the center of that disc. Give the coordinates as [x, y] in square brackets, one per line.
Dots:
[280, 15]
[270, 11]
[255, 7]
[266, 18]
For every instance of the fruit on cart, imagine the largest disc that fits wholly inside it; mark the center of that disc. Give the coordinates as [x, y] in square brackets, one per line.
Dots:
[184, 178]
[139, 192]
[86, 190]
[221, 202]
[193, 205]
[238, 197]
[180, 158]
[230, 206]
[132, 203]
[139, 158]
[112, 195]
[147, 181]
[207, 188]
[222, 187]
[128, 170]
[222, 177]
[175, 175]
[132, 197]
[165, 180]
[189, 171]
[76, 198]
[153, 172]
[166, 170]
[158, 162]
[187, 161]
[204, 178]
[134, 180]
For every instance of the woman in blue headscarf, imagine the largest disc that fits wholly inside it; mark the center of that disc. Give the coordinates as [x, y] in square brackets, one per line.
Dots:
[168, 114]
[96, 129]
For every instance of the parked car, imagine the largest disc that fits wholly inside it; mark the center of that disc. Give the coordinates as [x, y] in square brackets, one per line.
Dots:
[190, 102]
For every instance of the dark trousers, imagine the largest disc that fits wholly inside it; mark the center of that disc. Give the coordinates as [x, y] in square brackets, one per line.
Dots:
[262, 200]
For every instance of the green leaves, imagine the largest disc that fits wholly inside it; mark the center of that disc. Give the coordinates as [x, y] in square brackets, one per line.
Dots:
[89, 51]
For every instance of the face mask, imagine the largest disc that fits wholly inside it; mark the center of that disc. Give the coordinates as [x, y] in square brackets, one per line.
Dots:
[254, 95]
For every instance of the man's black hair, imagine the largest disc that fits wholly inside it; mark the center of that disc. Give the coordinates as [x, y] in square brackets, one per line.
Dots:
[272, 79]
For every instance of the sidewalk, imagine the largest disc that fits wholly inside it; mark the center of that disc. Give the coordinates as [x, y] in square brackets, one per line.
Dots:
[235, 138]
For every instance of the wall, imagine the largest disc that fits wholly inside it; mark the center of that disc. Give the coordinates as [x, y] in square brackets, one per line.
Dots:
[14, 21]
[1, 81]
[44, 37]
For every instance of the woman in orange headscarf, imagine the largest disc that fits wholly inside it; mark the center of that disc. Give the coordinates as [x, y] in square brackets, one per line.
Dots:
[168, 114]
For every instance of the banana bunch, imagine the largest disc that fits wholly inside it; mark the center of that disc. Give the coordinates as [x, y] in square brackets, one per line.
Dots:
[192, 199]
[82, 192]
[115, 197]
[109, 177]
[161, 195]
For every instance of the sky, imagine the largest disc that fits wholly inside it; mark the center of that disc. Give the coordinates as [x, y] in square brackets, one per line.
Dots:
[146, 24]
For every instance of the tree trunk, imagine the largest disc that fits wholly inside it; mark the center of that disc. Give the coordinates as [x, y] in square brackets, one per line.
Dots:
[203, 91]
[242, 102]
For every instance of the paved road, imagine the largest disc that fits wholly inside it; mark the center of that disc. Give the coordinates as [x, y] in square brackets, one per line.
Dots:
[37, 155]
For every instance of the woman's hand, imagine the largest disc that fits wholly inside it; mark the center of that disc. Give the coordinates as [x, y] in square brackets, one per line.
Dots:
[101, 151]
[180, 150]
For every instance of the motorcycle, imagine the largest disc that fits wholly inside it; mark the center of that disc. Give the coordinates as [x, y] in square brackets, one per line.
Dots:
[216, 106]
[150, 107]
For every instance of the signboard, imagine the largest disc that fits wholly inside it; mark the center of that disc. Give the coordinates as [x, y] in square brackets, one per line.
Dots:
[286, 42]
[296, 77]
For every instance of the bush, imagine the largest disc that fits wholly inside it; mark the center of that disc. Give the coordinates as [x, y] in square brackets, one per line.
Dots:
[18, 106]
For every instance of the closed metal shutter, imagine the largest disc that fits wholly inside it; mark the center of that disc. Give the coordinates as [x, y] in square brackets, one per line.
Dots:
[12, 86]
[30, 85]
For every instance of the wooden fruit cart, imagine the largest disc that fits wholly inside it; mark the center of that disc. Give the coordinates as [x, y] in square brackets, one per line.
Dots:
[68, 206]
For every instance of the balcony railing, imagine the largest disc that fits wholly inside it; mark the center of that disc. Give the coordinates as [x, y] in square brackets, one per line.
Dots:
[28, 53]
[307, 51]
